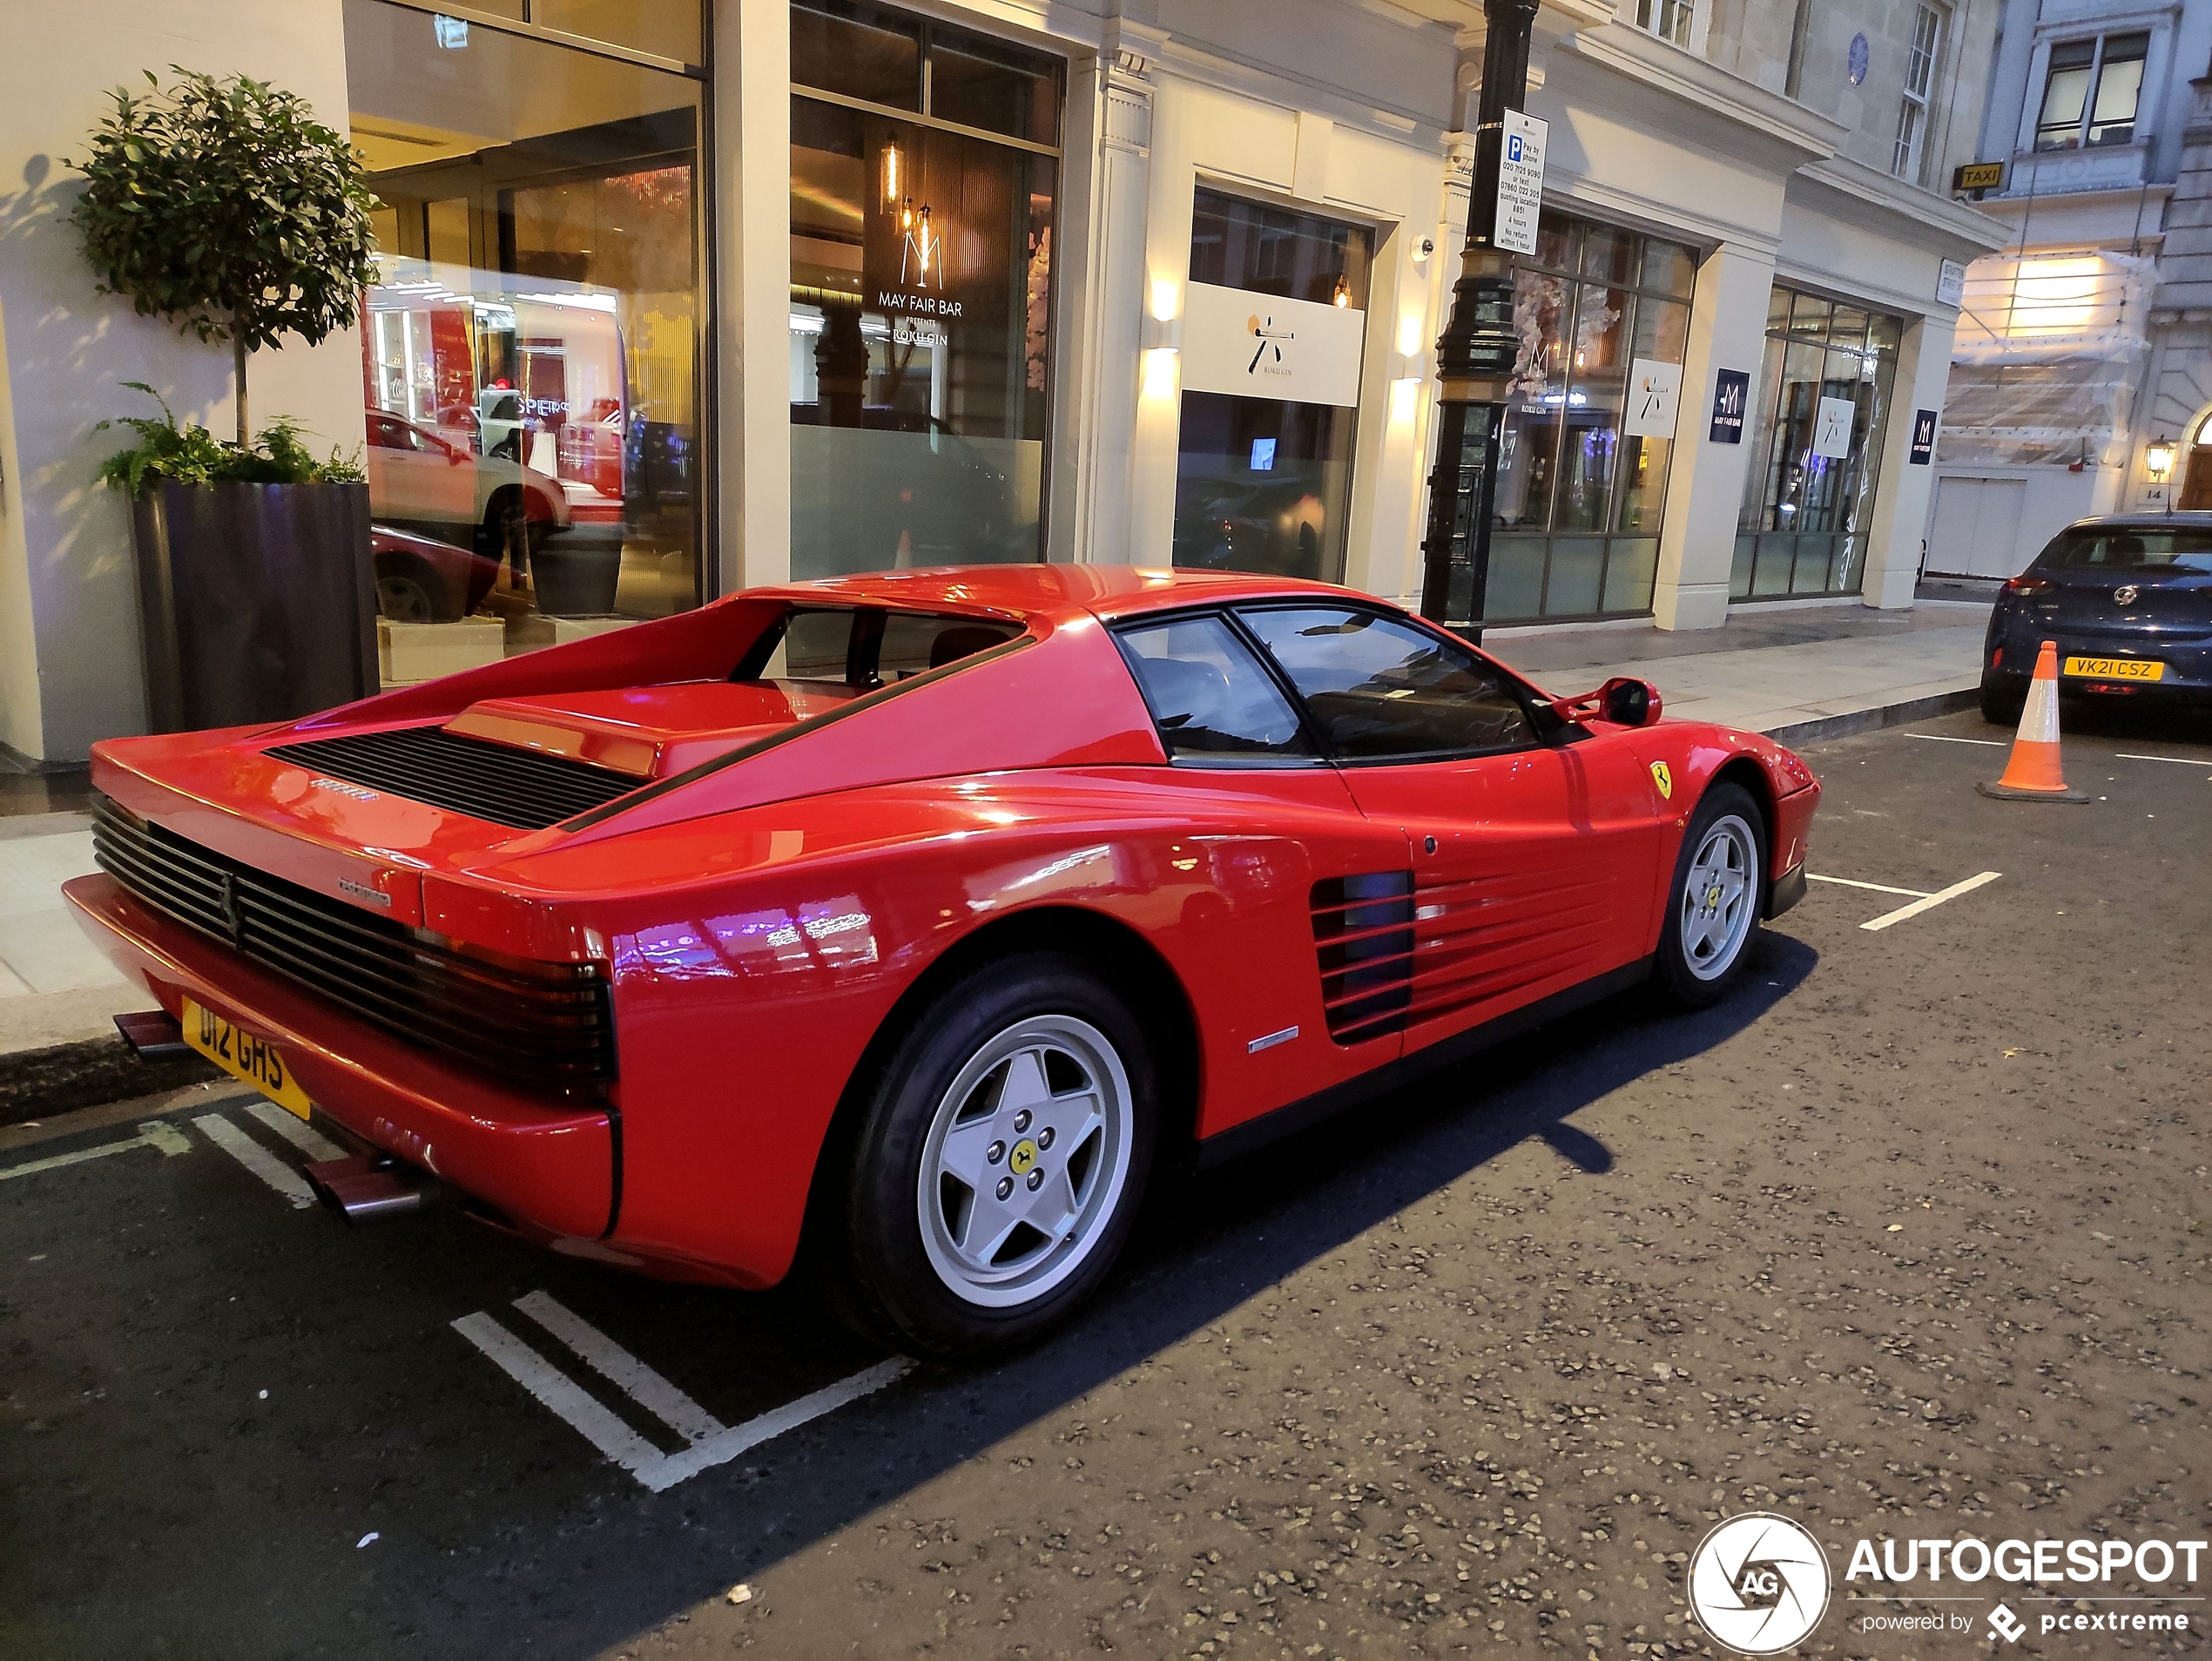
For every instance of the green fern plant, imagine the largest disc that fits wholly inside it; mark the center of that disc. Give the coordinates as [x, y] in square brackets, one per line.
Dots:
[192, 455]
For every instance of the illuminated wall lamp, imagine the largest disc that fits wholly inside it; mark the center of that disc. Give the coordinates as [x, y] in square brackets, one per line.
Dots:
[2158, 458]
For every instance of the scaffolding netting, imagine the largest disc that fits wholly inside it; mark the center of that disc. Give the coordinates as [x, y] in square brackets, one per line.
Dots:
[2047, 357]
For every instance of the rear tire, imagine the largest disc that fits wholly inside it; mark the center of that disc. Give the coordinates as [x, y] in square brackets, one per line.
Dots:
[1714, 903]
[1023, 1095]
[1999, 706]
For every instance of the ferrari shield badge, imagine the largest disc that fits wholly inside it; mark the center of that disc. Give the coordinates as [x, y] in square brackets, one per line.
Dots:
[1664, 779]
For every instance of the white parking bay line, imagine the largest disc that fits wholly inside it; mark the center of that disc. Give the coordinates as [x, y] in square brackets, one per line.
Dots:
[1946, 738]
[151, 1134]
[1879, 887]
[1929, 901]
[611, 1361]
[296, 1131]
[708, 1442]
[2178, 761]
[740, 1438]
[583, 1412]
[256, 1158]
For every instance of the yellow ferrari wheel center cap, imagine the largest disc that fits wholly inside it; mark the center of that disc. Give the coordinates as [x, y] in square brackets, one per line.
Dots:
[1023, 1157]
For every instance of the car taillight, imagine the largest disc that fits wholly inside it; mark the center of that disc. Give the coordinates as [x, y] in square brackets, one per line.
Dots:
[2026, 585]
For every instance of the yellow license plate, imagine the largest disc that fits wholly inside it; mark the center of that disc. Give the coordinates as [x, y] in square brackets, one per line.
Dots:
[2116, 668]
[244, 1058]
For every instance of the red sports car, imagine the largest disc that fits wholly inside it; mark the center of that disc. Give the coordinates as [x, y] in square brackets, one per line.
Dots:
[916, 918]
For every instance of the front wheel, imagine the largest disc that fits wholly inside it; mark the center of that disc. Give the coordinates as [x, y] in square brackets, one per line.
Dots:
[1713, 904]
[997, 1172]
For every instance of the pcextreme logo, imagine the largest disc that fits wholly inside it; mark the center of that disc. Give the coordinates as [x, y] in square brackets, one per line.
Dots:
[1759, 1583]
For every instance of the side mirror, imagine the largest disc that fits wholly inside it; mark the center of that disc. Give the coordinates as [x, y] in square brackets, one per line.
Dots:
[1629, 703]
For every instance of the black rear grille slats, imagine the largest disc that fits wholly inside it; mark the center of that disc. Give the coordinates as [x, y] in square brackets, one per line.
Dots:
[549, 1024]
[521, 789]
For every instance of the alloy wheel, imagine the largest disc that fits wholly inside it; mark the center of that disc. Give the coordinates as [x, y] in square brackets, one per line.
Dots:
[1025, 1161]
[1720, 898]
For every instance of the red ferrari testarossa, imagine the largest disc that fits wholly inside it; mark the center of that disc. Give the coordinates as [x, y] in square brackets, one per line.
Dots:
[917, 915]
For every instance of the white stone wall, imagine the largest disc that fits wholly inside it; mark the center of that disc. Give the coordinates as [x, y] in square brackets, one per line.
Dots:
[69, 666]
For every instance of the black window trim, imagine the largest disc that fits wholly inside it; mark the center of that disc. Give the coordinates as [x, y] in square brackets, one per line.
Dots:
[864, 648]
[1548, 735]
[1229, 760]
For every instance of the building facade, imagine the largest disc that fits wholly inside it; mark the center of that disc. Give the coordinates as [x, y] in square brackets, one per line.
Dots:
[674, 299]
[2083, 372]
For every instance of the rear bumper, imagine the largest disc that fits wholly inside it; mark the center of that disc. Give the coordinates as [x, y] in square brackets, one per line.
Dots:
[551, 1165]
[2008, 661]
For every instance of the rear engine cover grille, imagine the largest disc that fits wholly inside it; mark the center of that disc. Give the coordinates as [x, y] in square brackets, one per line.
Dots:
[524, 789]
[543, 1023]
[1363, 935]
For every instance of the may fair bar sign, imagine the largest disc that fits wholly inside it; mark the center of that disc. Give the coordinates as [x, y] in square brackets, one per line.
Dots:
[1520, 183]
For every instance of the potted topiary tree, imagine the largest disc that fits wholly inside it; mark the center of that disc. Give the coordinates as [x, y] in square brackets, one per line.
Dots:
[222, 206]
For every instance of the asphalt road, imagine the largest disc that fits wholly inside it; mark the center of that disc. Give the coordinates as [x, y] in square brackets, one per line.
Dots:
[1906, 1239]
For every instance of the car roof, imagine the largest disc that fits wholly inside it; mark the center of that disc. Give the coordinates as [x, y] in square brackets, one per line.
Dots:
[1052, 590]
[2191, 518]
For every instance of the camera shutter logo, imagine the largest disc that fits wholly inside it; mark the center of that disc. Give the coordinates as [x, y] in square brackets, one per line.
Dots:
[1759, 1583]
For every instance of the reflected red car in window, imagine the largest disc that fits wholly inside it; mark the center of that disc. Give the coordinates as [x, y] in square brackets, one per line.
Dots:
[911, 922]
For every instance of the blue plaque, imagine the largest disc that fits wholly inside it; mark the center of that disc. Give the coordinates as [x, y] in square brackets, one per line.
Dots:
[1857, 59]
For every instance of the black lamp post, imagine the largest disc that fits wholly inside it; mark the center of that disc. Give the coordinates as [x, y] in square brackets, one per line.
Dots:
[1476, 353]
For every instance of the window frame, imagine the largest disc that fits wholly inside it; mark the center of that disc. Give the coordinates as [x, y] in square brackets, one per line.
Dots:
[863, 648]
[1907, 160]
[2137, 50]
[1223, 761]
[1689, 15]
[1549, 730]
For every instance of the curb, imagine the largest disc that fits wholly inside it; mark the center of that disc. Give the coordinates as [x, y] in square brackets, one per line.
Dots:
[1868, 721]
[37, 1083]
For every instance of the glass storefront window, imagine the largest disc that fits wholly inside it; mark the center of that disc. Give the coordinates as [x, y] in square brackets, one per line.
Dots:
[1576, 514]
[921, 292]
[530, 348]
[1264, 483]
[1824, 401]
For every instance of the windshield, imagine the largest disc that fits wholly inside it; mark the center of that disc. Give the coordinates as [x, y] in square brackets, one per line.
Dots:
[2182, 551]
[863, 647]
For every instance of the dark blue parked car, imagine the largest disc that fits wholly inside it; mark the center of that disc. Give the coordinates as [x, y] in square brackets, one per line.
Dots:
[2128, 600]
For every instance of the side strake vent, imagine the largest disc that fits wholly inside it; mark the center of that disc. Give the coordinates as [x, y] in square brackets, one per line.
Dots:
[524, 789]
[1363, 935]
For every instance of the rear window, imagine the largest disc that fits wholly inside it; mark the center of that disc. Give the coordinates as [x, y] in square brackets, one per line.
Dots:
[2130, 547]
[866, 646]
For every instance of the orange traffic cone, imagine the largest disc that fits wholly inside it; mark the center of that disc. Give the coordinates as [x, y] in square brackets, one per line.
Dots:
[2032, 773]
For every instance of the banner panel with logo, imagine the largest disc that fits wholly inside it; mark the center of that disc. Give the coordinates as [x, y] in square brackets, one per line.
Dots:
[1265, 345]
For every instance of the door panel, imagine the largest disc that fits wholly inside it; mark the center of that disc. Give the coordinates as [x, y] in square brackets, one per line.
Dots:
[1542, 875]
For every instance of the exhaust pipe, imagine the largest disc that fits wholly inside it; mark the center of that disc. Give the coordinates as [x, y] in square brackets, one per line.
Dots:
[154, 1035]
[366, 1187]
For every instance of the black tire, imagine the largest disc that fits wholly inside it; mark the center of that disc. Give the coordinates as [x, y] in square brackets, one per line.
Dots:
[2000, 705]
[402, 596]
[883, 1276]
[1683, 980]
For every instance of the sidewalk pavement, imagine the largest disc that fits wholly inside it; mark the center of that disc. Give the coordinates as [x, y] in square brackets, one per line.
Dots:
[1799, 674]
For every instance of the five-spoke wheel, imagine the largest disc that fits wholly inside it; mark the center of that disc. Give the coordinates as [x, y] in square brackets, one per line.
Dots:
[1714, 905]
[1027, 1153]
[996, 1171]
